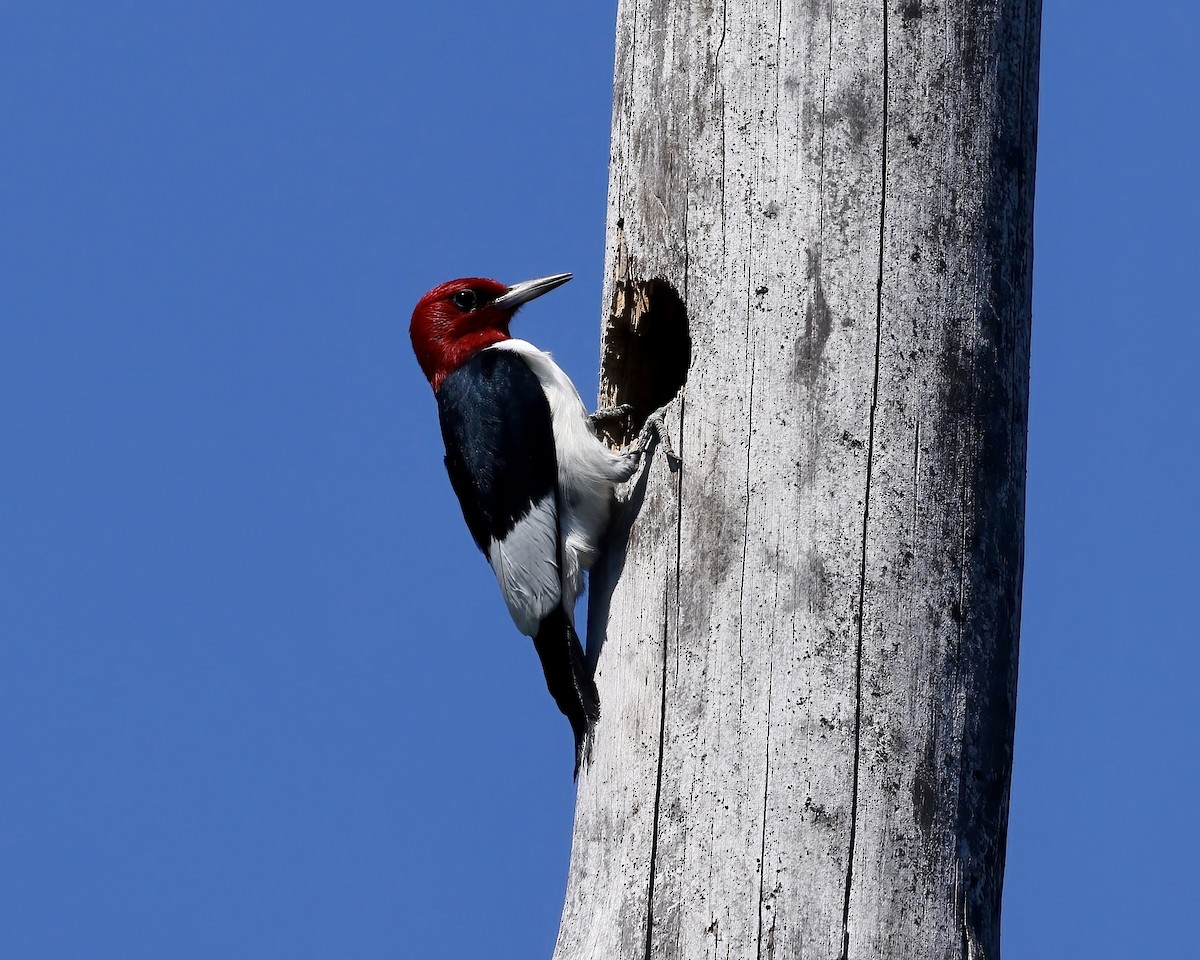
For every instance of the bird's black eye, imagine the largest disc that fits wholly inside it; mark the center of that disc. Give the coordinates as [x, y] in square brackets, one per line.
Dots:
[465, 300]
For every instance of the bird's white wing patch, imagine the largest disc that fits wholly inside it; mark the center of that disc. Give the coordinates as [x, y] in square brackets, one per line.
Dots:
[526, 566]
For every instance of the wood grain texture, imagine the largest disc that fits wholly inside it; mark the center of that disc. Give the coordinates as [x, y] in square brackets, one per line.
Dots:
[806, 638]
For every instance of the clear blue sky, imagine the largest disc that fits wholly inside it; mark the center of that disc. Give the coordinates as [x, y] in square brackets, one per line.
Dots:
[259, 696]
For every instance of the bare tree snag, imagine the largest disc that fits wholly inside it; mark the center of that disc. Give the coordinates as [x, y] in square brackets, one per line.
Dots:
[806, 638]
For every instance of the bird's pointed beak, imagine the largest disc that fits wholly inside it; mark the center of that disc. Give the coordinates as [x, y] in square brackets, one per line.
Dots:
[520, 293]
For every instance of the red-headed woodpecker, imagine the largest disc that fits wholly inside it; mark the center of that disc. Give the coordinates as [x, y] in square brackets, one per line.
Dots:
[535, 482]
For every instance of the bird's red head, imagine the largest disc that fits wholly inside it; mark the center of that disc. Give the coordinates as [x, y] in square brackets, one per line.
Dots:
[457, 319]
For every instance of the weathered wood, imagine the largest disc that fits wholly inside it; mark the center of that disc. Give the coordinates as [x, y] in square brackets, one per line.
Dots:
[809, 637]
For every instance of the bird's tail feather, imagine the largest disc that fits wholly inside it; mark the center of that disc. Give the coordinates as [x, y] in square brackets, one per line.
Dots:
[568, 678]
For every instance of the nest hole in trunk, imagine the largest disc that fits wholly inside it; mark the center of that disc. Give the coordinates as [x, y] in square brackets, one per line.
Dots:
[647, 352]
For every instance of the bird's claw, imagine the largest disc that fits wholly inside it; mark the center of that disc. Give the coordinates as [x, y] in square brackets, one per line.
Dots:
[655, 427]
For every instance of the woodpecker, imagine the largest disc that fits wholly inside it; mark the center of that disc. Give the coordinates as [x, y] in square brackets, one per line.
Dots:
[535, 482]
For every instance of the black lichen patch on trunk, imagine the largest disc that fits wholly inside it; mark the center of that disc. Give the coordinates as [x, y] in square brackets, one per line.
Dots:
[818, 320]
[647, 351]
[911, 11]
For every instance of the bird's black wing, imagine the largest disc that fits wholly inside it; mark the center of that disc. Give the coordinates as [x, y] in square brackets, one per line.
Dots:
[500, 456]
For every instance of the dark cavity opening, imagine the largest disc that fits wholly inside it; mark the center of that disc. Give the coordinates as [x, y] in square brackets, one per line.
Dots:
[647, 352]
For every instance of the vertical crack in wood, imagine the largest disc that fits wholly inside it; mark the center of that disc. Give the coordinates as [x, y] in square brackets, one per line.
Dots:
[721, 85]
[916, 486]
[862, 581]
[966, 936]
[778, 73]
[662, 716]
[662, 733]
[762, 846]
[749, 458]
[746, 520]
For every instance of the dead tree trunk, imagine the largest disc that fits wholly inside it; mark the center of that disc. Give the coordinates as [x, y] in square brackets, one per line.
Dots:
[806, 640]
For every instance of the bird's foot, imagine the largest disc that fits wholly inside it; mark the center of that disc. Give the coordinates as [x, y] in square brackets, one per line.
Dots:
[608, 414]
[655, 428]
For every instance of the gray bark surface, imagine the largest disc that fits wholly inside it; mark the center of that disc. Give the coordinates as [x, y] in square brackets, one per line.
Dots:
[806, 637]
